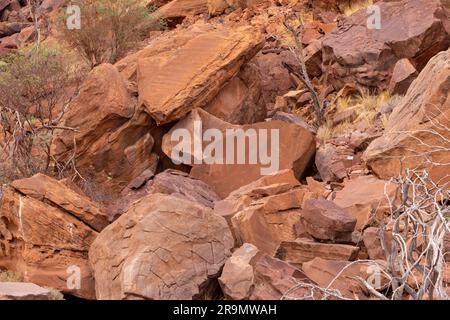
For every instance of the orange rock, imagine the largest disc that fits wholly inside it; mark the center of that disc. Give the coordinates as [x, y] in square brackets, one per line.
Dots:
[403, 75]
[46, 231]
[250, 274]
[169, 82]
[240, 101]
[49, 190]
[339, 275]
[372, 242]
[303, 250]
[278, 183]
[294, 150]
[365, 198]
[269, 221]
[416, 136]
[113, 142]
[324, 220]
[418, 33]
[163, 247]
[183, 8]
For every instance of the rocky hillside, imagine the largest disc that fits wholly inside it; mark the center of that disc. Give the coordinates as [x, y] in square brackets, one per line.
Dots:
[242, 150]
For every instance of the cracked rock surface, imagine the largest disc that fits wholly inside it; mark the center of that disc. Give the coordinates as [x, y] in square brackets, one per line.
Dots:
[163, 247]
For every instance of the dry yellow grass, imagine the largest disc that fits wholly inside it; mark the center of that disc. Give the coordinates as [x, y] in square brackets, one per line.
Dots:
[325, 132]
[384, 121]
[356, 6]
[10, 276]
[368, 106]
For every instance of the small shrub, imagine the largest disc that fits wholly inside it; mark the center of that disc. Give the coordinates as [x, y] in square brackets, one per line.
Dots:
[35, 89]
[109, 28]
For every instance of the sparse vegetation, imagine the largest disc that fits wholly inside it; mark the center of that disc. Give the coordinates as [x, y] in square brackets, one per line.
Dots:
[294, 25]
[109, 28]
[36, 85]
[10, 276]
[325, 132]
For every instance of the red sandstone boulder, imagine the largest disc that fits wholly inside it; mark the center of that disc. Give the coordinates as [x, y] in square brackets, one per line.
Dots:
[163, 247]
[46, 230]
[417, 135]
[324, 220]
[412, 29]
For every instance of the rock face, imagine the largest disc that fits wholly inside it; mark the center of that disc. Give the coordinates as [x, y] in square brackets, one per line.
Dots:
[183, 8]
[237, 279]
[365, 198]
[163, 247]
[180, 184]
[265, 212]
[282, 181]
[46, 229]
[169, 83]
[303, 250]
[403, 75]
[240, 101]
[113, 143]
[170, 182]
[292, 149]
[248, 274]
[324, 220]
[413, 29]
[416, 136]
[23, 291]
[275, 79]
[333, 162]
[49, 190]
[373, 244]
[268, 221]
[331, 274]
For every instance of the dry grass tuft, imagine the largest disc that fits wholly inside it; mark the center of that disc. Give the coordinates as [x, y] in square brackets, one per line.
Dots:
[325, 132]
[356, 6]
[10, 276]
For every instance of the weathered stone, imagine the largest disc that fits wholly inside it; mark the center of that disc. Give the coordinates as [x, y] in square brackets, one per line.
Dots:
[23, 291]
[416, 136]
[268, 221]
[324, 220]
[113, 143]
[340, 275]
[372, 242]
[49, 190]
[249, 274]
[240, 101]
[313, 58]
[180, 184]
[403, 75]
[183, 8]
[366, 198]
[276, 80]
[303, 250]
[237, 280]
[169, 83]
[292, 150]
[43, 232]
[163, 247]
[412, 29]
[239, 199]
